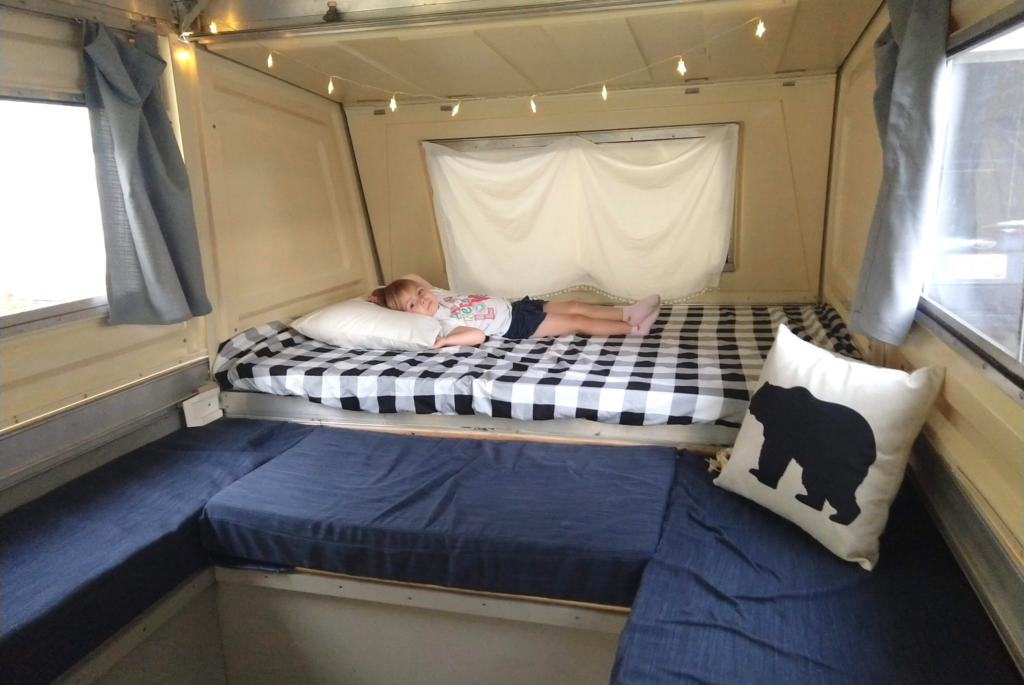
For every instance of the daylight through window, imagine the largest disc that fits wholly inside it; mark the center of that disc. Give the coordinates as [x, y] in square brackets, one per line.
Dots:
[51, 239]
[977, 270]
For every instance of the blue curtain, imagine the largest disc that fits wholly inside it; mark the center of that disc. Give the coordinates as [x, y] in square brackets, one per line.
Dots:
[154, 269]
[910, 59]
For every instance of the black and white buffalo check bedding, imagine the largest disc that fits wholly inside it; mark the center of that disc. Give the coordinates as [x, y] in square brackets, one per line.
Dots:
[698, 365]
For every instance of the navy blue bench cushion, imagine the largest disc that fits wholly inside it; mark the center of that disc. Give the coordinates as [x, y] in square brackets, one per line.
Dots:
[80, 563]
[567, 522]
[736, 594]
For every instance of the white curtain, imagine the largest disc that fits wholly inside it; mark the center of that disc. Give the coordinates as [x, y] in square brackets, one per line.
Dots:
[627, 218]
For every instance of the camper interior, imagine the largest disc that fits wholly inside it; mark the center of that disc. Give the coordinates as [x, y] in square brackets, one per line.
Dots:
[738, 396]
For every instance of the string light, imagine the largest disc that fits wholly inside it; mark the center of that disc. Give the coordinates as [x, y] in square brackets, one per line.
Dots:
[455, 109]
[681, 68]
[270, 60]
[604, 92]
[183, 55]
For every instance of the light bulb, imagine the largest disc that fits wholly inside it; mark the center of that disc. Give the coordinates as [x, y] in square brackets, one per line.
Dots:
[213, 27]
[330, 85]
[682, 67]
[183, 55]
[604, 92]
[455, 109]
[393, 105]
[760, 29]
[270, 60]
[533, 106]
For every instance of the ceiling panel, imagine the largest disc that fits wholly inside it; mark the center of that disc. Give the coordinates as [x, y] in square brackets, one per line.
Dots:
[527, 55]
[598, 51]
[399, 58]
[668, 36]
[733, 49]
[463, 64]
[534, 54]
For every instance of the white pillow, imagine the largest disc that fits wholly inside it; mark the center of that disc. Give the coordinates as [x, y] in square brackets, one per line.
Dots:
[825, 443]
[358, 324]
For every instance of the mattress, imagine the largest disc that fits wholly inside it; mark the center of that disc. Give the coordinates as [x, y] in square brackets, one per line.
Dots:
[698, 366]
[567, 522]
[735, 594]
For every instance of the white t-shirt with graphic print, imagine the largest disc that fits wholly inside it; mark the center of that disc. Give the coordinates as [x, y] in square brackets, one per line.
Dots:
[492, 315]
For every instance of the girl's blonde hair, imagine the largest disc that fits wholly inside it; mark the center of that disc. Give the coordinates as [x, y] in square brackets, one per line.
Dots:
[390, 295]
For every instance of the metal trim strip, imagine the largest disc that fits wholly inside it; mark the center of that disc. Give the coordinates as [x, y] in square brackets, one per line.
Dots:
[29, 449]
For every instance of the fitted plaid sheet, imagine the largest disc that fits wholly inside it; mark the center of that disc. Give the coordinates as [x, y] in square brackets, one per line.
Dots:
[698, 365]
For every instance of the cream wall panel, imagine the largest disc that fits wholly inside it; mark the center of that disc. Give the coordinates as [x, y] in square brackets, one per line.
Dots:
[39, 55]
[784, 139]
[46, 370]
[856, 169]
[284, 225]
[976, 428]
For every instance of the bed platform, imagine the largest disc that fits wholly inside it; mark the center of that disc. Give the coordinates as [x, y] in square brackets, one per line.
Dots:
[564, 522]
[735, 594]
[689, 380]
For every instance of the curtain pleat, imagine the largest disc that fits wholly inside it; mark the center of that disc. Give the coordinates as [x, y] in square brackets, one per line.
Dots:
[909, 63]
[628, 219]
[154, 267]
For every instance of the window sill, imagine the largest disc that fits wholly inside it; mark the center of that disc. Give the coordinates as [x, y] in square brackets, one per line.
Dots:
[995, 364]
[55, 315]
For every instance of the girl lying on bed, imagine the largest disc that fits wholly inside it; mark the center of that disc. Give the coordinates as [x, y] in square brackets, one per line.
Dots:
[469, 319]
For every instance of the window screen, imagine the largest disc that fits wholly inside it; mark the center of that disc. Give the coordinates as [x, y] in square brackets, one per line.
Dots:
[51, 239]
[977, 269]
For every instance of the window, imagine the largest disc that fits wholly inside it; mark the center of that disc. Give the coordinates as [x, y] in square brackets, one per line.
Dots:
[51, 238]
[977, 268]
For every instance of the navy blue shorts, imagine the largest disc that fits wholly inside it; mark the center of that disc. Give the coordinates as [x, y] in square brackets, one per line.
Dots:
[527, 315]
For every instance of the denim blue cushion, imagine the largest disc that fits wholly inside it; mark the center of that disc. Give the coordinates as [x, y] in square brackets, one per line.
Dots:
[81, 562]
[736, 594]
[575, 522]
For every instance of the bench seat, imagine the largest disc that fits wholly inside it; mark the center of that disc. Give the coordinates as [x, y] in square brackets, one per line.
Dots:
[81, 562]
[569, 522]
[735, 594]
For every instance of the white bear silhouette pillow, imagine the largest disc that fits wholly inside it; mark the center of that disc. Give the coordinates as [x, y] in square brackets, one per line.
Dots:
[825, 443]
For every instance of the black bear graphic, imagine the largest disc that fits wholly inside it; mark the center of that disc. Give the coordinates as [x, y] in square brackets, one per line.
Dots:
[833, 444]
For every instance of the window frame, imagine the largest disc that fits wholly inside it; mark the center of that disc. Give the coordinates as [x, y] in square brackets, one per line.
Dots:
[40, 318]
[995, 363]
